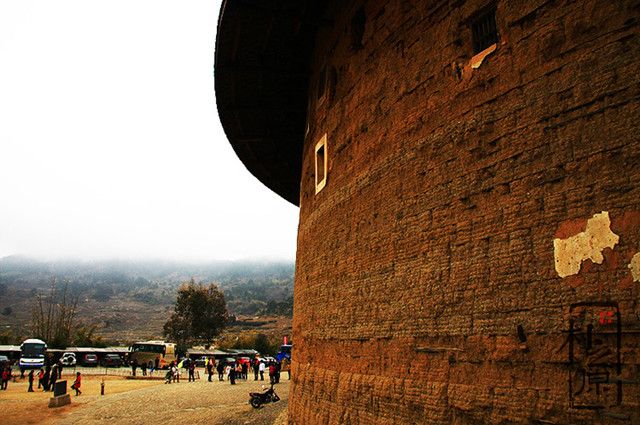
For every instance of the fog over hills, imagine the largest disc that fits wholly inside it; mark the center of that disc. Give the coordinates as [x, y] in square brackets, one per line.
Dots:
[128, 299]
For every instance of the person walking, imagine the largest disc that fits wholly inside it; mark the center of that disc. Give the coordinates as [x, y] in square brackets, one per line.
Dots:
[261, 368]
[232, 375]
[143, 368]
[278, 367]
[46, 377]
[6, 376]
[157, 363]
[209, 368]
[192, 371]
[77, 383]
[245, 370]
[54, 377]
[220, 370]
[31, 378]
[134, 366]
[256, 369]
[169, 376]
[272, 373]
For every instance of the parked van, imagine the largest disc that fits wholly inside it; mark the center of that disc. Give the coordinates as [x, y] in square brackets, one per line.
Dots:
[68, 359]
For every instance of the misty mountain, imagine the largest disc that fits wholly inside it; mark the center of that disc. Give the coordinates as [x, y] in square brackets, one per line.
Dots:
[117, 294]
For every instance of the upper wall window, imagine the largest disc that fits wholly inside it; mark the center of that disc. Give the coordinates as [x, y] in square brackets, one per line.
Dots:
[484, 30]
[326, 85]
[322, 84]
[357, 29]
[321, 164]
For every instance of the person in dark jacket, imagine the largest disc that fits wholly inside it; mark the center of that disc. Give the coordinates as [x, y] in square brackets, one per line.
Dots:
[192, 371]
[31, 378]
[220, 370]
[232, 375]
[245, 370]
[278, 367]
[45, 378]
[54, 377]
[256, 369]
[210, 368]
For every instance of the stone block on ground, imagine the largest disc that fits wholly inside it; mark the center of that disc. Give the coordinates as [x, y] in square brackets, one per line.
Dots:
[59, 401]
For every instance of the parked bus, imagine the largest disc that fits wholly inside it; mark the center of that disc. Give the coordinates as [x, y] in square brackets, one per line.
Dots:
[32, 353]
[148, 351]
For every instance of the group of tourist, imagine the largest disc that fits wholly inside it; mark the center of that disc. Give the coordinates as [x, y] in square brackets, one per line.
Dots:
[47, 378]
[239, 370]
[233, 371]
[173, 373]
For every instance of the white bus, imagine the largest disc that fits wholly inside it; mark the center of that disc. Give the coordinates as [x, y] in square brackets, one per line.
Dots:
[32, 353]
[150, 351]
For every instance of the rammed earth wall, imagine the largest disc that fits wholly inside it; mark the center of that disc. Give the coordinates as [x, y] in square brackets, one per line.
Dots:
[426, 281]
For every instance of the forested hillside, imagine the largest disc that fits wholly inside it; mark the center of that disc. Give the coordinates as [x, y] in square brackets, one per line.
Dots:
[127, 300]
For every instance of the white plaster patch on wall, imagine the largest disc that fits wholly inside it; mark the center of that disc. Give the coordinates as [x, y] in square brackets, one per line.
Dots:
[634, 265]
[588, 245]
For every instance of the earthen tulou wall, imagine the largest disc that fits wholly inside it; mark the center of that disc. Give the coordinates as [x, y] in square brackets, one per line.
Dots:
[470, 254]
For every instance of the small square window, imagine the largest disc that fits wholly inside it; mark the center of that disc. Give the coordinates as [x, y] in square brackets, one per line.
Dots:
[484, 30]
[321, 163]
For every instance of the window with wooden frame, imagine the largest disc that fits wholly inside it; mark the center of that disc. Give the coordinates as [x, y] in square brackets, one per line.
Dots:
[321, 159]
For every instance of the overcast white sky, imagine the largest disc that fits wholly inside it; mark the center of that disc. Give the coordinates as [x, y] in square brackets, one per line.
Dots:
[110, 142]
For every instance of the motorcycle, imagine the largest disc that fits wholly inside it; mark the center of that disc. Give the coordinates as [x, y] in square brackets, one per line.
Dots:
[267, 396]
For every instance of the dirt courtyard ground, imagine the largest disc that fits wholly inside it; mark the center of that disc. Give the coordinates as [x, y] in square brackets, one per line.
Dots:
[145, 401]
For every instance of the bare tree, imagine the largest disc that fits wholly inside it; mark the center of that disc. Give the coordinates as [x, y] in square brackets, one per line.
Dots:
[52, 317]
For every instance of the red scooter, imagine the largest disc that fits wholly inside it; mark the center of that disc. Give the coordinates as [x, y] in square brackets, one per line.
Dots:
[267, 396]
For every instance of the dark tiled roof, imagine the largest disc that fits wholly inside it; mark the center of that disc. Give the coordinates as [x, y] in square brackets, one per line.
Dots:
[263, 48]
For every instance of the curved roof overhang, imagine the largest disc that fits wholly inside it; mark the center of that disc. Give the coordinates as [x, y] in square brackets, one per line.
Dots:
[263, 49]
